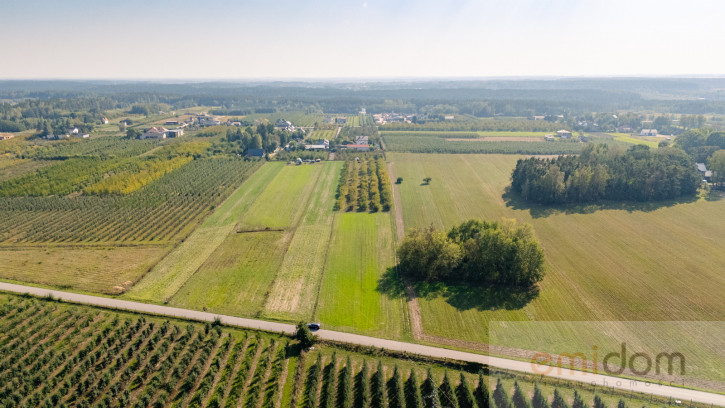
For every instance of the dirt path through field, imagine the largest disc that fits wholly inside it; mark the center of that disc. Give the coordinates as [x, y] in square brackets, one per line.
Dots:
[416, 324]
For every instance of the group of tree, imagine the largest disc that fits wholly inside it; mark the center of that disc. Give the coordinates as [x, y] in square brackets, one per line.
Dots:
[701, 143]
[263, 136]
[364, 185]
[476, 252]
[603, 172]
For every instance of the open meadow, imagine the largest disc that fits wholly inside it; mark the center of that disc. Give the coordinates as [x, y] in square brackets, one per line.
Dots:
[609, 262]
[362, 249]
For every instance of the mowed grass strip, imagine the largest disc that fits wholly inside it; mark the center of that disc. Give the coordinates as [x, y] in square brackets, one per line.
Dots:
[608, 263]
[161, 283]
[278, 206]
[361, 250]
[104, 270]
[294, 291]
[236, 277]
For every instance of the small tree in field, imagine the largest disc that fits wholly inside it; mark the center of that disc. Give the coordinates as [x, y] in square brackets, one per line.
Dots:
[427, 180]
[399, 180]
[305, 336]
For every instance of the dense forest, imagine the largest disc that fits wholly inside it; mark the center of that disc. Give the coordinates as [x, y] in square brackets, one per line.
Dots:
[603, 172]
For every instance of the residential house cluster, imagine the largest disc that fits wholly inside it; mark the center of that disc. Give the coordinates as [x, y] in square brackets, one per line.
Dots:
[283, 124]
[71, 132]
[159, 132]
[392, 117]
[325, 145]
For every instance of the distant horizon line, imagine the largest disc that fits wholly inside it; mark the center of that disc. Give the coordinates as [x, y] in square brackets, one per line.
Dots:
[365, 78]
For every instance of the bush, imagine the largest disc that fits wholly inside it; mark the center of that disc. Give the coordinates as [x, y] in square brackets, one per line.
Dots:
[305, 336]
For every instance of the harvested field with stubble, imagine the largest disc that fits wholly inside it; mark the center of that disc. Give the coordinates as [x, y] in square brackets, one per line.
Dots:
[617, 261]
[109, 270]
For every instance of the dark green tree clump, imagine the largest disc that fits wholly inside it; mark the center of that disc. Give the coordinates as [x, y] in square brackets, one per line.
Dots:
[476, 252]
[604, 173]
[304, 335]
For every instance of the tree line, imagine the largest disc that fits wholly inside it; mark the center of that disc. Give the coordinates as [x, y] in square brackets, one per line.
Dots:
[476, 252]
[603, 172]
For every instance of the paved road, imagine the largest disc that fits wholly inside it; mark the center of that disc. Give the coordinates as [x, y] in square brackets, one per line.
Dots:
[685, 395]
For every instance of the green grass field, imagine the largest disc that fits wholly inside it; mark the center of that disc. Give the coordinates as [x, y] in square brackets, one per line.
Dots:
[293, 294]
[464, 134]
[260, 254]
[637, 141]
[361, 250]
[605, 263]
[235, 278]
[328, 134]
[161, 283]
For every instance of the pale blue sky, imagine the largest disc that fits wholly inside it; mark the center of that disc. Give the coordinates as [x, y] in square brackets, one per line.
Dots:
[359, 39]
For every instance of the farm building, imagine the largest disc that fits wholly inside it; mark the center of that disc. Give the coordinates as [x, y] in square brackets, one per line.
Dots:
[73, 130]
[363, 140]
[549, 138]
[564, 134]
[316, 147]
[208, 121]
[255, 153]
[171, 122]
[6, 137]
[341, 120]
[154, 133]
[648, 132]
[175, 133]
[284, 125]
[706, 174]
[104, 121]
[358, 147]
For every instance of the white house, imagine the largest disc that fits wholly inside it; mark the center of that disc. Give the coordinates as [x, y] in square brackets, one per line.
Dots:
[316, 147]
[564, 134]
[648, 132]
